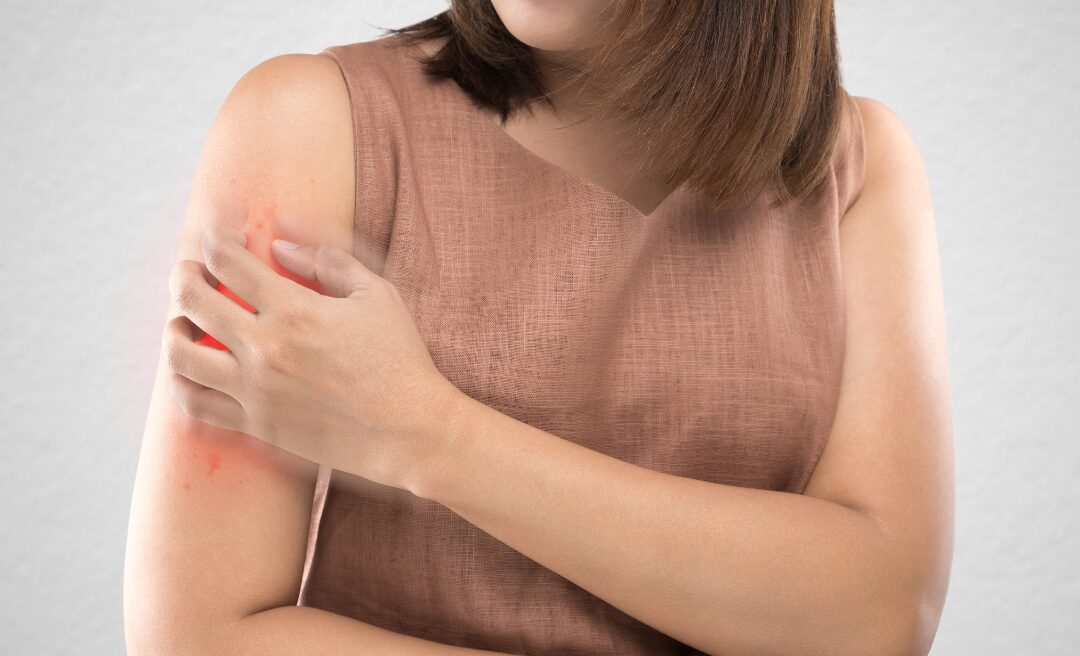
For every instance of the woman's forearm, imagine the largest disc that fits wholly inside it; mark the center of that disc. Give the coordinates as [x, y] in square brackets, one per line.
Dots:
[306, 631]
[725, 569]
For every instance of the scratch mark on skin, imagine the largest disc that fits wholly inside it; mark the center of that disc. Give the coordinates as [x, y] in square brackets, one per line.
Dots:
[213, 463]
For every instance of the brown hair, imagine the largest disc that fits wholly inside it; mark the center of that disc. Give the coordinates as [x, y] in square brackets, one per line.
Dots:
[732, 96]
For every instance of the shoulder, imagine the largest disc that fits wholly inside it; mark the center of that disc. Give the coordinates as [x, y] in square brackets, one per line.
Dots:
[892, 157]
[874, 146]
[893, 203]
[294, 73]
[878, 118]
[287, 92]
[282, 142]
[290, 103]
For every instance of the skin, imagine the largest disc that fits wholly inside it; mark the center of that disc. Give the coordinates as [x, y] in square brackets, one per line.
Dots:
[219, 519]
[285, 376]
[858, 564]
[560, 33]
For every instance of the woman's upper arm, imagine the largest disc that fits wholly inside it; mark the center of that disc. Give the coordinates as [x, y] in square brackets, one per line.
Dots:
[219, 520]
[890, 452]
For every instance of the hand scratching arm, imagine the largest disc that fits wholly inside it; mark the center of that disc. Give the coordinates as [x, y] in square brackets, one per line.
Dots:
[219, 520]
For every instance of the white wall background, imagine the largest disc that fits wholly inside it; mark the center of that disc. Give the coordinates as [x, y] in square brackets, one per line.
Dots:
[103, 109]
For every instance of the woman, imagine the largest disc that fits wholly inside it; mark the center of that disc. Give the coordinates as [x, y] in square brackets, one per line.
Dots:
[657, 366]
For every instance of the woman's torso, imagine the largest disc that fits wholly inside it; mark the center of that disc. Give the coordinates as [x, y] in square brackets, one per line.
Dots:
[701, 344]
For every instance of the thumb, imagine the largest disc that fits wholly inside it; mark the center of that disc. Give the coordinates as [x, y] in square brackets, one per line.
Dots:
[337, 271]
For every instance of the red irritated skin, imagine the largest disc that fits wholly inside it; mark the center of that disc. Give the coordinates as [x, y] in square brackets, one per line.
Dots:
[207, 338]
[259, 238]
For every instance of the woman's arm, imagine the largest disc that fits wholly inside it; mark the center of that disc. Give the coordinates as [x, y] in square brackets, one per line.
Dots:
[219, 520]
[857, 565]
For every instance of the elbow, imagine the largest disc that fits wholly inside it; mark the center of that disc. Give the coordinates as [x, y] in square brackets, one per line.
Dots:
[900, 610]
[163, 624]
[903, 629]
[159, 640]
[157, 631]
[918, 628]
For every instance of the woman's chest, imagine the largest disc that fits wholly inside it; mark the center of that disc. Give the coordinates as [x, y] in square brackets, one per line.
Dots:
[713, 358]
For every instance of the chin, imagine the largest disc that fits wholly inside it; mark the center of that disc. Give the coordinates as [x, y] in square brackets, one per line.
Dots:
[552, 26]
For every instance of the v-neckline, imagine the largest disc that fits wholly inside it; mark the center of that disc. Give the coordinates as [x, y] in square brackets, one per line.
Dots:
[488, 119]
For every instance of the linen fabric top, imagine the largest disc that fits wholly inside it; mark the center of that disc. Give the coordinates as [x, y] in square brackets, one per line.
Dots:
[699, 343]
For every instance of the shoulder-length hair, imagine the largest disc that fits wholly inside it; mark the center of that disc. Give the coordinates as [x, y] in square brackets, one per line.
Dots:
[731, 96]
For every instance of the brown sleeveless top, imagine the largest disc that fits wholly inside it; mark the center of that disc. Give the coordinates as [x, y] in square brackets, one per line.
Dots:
[701, 344]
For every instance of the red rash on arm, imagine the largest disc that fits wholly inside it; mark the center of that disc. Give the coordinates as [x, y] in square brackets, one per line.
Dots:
[259, 236]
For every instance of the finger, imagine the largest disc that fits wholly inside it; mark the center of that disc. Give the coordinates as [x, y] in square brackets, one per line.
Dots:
[239, 269]
[336, 270]
[206, 404]
[192, 290]
[209, 367]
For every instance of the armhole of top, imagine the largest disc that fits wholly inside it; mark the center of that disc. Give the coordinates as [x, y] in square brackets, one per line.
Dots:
[851, 164]
[373, 169]
[355, 138]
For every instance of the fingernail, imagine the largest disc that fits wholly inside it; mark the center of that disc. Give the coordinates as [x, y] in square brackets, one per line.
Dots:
[285, 244]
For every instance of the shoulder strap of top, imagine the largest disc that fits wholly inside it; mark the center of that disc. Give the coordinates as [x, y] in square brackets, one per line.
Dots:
[377, 130]
[850, 167]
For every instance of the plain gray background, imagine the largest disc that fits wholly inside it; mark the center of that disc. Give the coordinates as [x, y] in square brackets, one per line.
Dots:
[104, 109]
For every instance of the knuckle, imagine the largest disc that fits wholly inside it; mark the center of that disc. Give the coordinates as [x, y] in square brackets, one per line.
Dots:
[330, 257]
[185, 296]
[323, 254]
[335, 256]
[270, 354]
[295, 318]
[182, 285]
[257, 287]
[216, 257]
[175, 357]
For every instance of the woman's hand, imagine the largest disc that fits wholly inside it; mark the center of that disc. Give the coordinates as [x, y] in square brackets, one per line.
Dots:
[342, 379]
